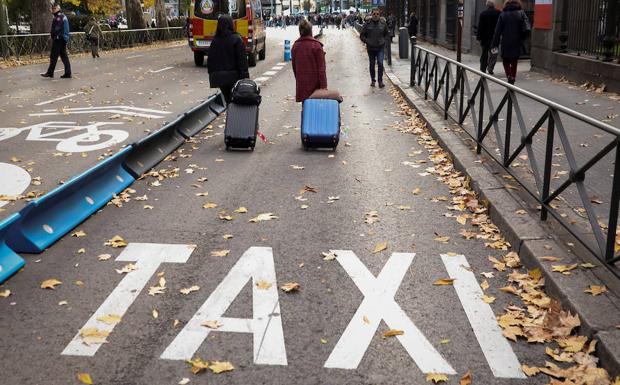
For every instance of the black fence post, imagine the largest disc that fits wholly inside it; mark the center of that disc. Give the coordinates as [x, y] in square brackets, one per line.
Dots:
[547, 169]
[564, 27]
[613, 210]
[413, 62]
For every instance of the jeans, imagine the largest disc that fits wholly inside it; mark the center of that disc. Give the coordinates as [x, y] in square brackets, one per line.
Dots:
[59, 48]
[378, 57]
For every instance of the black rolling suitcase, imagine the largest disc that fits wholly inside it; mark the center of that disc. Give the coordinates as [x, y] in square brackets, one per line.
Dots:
[242, 116]
[241, 126]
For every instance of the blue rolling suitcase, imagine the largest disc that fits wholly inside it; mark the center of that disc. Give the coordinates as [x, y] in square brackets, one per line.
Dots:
[320, 123]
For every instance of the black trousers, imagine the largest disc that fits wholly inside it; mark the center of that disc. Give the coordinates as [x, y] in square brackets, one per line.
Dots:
[59, 48]
[227, 92]
[484, 56]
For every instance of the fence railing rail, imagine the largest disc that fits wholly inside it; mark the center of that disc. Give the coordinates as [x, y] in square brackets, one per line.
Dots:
[38, 45]
[462, 92]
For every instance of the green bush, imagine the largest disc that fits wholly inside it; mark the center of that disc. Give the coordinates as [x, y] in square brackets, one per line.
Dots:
[77, 22]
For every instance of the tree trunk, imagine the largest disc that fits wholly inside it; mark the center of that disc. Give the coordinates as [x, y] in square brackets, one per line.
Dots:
[160, 14]
[41, 18]
[4, 27]
[135, 19]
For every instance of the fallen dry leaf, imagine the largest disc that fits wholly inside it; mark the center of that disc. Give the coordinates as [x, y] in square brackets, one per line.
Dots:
[198, 365]
[290, 286]
[488, 299]
[564, 268]
[466, 379]
[93, 336]
[263, 285]
[110, 319]
[116, 241]
[529, 370]
[190, 289]
[444, 282]
[436, 378]
[328, 255]
[212, 324]
[155, 313]
[220, 253]
[263, 217]
[127, 268]
[380, 247]
[84, 378]
[209, 205]
[221, 366]
[241, 210]
[393, 332]
[50, 283]
[79, 234]
[596, 290]
[550, 258]
[5, 293]
[104, 257]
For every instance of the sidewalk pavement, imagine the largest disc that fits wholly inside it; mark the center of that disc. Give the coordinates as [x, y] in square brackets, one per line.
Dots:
[530, 237]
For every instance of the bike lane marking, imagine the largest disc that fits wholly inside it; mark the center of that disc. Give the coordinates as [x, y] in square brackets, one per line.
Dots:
[121, 110]
[379, 304]
[148, 258]
[161, 70]
[15, 180]
[67, 96]
[266, 325]
[496, 349]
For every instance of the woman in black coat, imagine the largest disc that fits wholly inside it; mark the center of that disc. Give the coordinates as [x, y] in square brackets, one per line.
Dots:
[512, 28]
[413, 25]
[227, 61]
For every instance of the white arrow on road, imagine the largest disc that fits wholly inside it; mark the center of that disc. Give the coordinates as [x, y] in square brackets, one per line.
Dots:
[121, 110]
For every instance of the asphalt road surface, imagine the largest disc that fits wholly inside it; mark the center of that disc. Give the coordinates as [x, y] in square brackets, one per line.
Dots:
[372, 201]
[54, 129]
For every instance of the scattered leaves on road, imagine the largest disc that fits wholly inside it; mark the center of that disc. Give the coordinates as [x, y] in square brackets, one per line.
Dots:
[328, 255]
[436, 378]
[220, 253]
[444, 282]
[190, 289]
[104, 257]
[79, 234]
[379, 247]
[127, 268]
[160, 288]
[116, 241]
[263, 285]
[93, 336]
[50, 283]
[110, 319]
[84, 378]
[263, 217]
[221, 366]
[393, 333]
[212, 324]
[596, 290]
[290, 286]
[5, 293]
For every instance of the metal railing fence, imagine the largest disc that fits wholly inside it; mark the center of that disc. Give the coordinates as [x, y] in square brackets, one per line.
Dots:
[38, 45]
[462, 92]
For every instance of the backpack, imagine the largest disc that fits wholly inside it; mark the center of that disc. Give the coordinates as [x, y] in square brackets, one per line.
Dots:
[246, 92]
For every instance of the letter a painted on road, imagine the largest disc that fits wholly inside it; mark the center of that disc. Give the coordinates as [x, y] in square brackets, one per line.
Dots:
[266, 325]
[379, 304]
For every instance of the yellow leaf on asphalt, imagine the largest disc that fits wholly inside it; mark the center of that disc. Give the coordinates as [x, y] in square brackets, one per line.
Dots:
[155, 313]
[127, 268]
[104, 257]
[209, 205]
[190, 289]
[62, 303]
[263, 285]
[415, 191]
[50, 283]
[328, 255]
[596, 290]
[488, 299]
[323, 341]
[221, 366]
[227, 236]
[220, 253]
[93, 336]
[536, 274]
[202, 194]
[442, 238]
[116, 241]
[380, 247]
[530, 370]
[550, 258]
[587, 265]
[466, 379]
[509, 289]
[198, 365]
[226, 217]
[148, 207]
[296, 167]
[572, 344]
[484, 285]
[5, 293]
[110, 319]
[436, 378]
[366, 320]
[393, 332]
[444, 282]
[184, 381]
[290, 286]
[212, 324]
[462, 219]
[78, 234]
[241, 210]
[84, 378]
[564, 268]
[81, 251]
[263, 217]
[446, 341]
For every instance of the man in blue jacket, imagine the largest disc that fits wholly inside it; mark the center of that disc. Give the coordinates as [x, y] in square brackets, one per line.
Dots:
[60, 38]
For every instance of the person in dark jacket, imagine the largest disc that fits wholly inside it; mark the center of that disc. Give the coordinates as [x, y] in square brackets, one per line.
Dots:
[308, 63]
[413, 24]
[511, 30]
[486, 28]
[374, 35]
[93, 34]
[60, 38]
[391, 24]
[227, 61]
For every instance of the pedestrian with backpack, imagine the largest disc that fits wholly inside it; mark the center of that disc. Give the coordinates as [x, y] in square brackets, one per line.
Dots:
[513, 27]
[227, 61]
[93, 34]
[375, 35]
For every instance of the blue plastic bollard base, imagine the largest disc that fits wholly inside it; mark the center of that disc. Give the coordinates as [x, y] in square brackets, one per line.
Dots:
[287, 56]
[10, 262]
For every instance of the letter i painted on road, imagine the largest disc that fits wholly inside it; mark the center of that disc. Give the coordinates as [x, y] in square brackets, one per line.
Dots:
[266, 325]
[379, 304]
[500, 356]
[148, 258]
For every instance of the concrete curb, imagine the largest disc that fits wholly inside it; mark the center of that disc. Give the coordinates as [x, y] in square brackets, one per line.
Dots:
[599, 315]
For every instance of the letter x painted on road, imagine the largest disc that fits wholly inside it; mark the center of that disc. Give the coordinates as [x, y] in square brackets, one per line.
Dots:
[379, 304]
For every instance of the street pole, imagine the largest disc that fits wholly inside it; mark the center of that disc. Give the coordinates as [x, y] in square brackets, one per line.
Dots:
[459, 31]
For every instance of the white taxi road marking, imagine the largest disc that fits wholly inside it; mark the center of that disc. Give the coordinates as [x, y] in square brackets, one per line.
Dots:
[161, 70]
[266, 325]
[67, 96]
[497, 350]
[121, 110]
[134, 56]
[15, 180]
[277, 68]
[261, 79]
[270, 73]
[148, 258]
[379, 304]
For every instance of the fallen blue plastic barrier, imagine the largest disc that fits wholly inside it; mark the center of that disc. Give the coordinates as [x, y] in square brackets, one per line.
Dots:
[199, 117]
[10, 262]
[151, 150]
[48, 218]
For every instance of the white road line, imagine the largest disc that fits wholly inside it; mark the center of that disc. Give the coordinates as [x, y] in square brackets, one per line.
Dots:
[497, 350]
[379, 304]
[15, 180]
[282, 63]
[261, 79]
[277, 68]
[270, 73]
[266, 325]
[56, 99]
[161, 70]
[134, 56]
[148, 258]
[121, 110]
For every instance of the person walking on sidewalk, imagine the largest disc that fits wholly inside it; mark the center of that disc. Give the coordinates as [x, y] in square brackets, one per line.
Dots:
[413, 25]
[486, 28]
[374, 35]
[308, 63]
[60, 38]
[227, 61]
[93, 34]
[512, 28]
